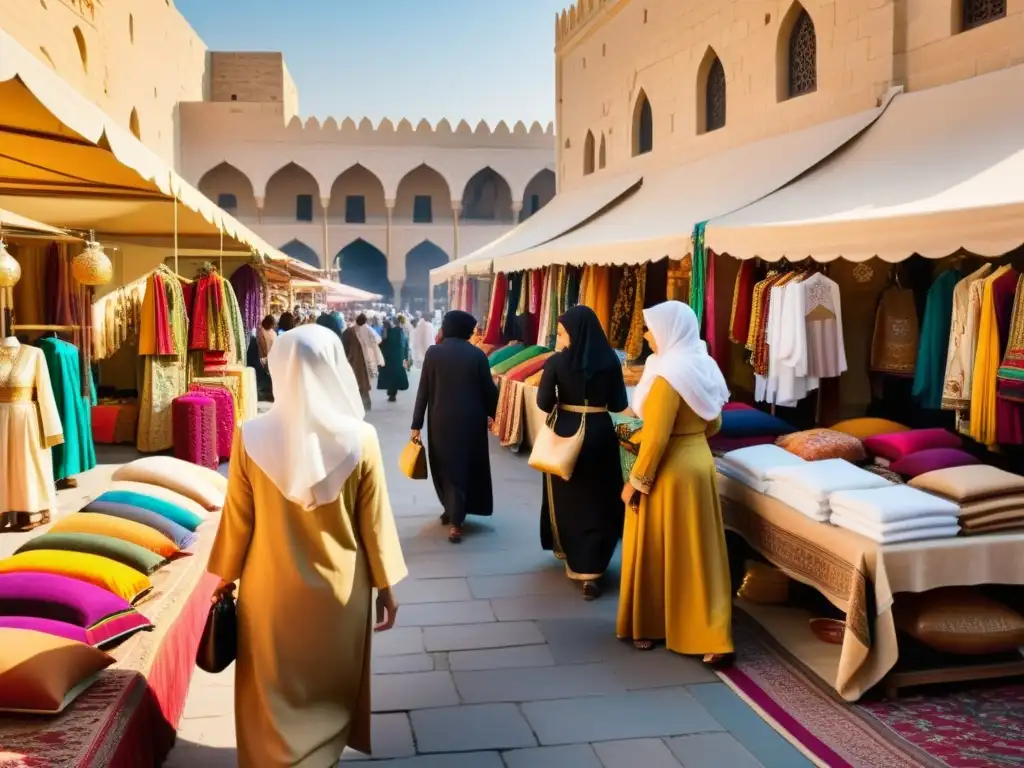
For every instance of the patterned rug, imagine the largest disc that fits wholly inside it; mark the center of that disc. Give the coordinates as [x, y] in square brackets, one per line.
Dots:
[976, 727]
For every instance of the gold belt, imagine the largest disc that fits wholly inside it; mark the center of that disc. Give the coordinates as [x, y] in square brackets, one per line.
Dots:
[17, 394]
[582, 409]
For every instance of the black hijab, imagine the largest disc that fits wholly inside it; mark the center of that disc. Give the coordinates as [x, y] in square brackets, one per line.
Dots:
[330, 322]
[458, 325]
[589, 351]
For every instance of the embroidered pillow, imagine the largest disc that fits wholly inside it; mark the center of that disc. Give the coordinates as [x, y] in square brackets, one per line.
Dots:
[931, 459]
[202, 485]
[125, 582]
[894, 446]
[124, 552]
[115, 527]
[820, 444]
[43, 673]
[752, 423]
[868, 427]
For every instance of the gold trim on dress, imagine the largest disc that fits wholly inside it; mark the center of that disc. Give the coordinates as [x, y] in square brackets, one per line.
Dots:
[10, 395]
[556, 541]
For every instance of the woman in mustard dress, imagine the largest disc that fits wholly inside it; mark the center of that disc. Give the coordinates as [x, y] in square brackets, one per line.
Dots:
[308, 531]
[675, 569]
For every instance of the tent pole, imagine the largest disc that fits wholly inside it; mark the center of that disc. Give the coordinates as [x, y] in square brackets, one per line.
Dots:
[176, 235]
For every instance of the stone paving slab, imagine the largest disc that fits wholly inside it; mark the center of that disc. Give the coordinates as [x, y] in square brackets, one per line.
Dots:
[479, 636]
[578, 756]
[649, 753]
[536, 683]
[471, 728]
[502, 658]
[445, 614]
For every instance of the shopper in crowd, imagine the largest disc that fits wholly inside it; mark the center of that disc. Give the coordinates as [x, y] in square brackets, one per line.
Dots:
[257, 354]
[370, 342]
[394, 376]
[357, 359]
[422, 339]
[457, 397]
[286, 323]
[675, 570]
[581, 519]
[308, 532]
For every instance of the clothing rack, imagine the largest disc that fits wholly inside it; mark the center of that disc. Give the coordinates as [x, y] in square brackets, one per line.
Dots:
[47, 327]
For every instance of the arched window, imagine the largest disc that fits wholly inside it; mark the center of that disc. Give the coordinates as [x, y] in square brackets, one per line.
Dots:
[82, 50]
[643, 126]
[589, 154]
[133, 124]
[714, 97]
[602, 155]
[803, 56]
[979, 12]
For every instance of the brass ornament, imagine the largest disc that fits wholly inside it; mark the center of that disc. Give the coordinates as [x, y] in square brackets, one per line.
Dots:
[92, 266]
[10, 269]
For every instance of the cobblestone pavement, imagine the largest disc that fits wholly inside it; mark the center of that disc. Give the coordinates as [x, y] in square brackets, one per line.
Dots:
[497, 662]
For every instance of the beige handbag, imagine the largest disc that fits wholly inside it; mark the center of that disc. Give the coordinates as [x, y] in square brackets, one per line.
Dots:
[557, 455]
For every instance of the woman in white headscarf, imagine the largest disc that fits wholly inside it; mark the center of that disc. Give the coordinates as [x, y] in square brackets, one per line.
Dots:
[308, 531]
[675, 570]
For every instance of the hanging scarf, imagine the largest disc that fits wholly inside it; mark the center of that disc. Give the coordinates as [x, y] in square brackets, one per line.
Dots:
[698, 274]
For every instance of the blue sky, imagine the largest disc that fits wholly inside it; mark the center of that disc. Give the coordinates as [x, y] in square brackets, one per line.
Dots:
[472, 59]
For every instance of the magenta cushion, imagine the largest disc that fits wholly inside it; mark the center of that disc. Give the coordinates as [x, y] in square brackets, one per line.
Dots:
[933, 458]
[46, 626]
[105, 616]
[738, 407]
[897, 445]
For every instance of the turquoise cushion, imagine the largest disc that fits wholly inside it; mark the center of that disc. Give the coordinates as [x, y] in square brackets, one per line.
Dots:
[176, 514]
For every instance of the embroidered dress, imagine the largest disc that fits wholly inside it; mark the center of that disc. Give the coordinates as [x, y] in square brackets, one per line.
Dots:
[742, 301]
[935, 334]
[29, 428]
[983, 424]
[960, 354]
[1011, 371]
[894, 344]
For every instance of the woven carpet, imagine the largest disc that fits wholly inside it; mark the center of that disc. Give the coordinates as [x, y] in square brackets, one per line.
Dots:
[972, 727]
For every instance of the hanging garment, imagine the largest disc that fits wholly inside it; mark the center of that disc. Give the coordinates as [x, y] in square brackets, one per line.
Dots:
[635, 339]
[894, 343]
[1009, 413]
[77, 453]
[29, 428]
[742, 302]
[698, 274]
[622, 315]
[932, 353]
[956, 391]
[164, 377]
[983, 425]
[497, 308]
[1011, 370]
[678, 288]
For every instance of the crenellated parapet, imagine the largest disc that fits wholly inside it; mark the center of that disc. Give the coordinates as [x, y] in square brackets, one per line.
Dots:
[573, 19]
[386, 127]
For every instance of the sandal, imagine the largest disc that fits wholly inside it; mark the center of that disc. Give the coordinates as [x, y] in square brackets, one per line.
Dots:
[719, 660]
[643, 645]
[455, 535]
[591, 590]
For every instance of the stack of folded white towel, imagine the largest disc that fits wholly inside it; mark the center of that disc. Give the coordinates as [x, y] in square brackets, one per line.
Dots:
[750, 466]
[895, 514]
[808, 487]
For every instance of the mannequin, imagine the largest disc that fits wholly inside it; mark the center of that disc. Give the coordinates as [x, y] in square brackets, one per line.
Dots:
[29, 426]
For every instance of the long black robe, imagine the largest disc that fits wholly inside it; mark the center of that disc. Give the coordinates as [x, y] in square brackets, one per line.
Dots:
[356, 358]
[581, 520]
[457, 396]
[395, 348]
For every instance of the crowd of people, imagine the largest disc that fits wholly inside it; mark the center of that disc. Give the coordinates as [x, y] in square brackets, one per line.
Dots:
[309, 472]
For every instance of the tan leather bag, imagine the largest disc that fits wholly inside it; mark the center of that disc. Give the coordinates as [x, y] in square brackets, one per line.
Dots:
[557, 455]
[413, 461]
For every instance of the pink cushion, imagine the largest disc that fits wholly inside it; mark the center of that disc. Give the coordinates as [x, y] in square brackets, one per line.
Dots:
[895, 446]
[931, 459]
[738, 407]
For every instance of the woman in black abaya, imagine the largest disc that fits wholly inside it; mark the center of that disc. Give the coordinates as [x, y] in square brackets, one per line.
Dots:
[457, 397]
[581, 519]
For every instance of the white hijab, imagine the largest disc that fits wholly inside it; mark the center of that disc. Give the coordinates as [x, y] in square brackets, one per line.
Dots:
[683, 361]
[310, 441]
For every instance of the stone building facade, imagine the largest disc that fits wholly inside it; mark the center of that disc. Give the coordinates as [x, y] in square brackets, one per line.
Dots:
[642, 84]
[380, 205]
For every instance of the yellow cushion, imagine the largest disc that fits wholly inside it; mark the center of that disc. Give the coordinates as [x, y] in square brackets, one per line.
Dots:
[202, 485]
[42, 673]
[867, 427]
[164, 494]
[115, 527]
[100, 571]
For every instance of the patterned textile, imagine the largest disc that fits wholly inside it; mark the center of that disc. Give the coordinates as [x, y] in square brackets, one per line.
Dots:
[496, 311]
[626, 429]
[232, 384]
[226, 421]
[164, 376]
[885, 472]
[970, 727]
[818, 444]
[195, 430]
[742, 302]
[635, 340]
[622, 313]
[698, 274]
[895, 340]
[524, 370]
[508, 422]
[1011, 371]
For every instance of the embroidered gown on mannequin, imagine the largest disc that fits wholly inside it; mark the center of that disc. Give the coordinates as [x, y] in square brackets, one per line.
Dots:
[29, 428]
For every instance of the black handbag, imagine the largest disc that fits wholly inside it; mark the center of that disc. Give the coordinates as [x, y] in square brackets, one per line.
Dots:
[219, 643]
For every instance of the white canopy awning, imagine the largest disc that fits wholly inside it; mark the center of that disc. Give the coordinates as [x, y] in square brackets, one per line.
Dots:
[67, 162]
[943, 169]
[658, 220]
[565, 211]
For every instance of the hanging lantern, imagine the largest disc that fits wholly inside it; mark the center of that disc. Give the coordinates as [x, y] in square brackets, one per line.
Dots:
[92, 266]
[10, 269]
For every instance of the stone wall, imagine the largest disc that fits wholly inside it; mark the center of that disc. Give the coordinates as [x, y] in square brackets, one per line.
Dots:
[123, 55]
